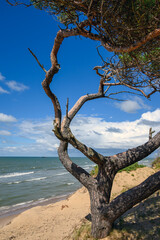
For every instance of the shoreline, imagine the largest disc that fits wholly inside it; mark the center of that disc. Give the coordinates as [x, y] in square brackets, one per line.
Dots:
[6, 218]
[58, 220]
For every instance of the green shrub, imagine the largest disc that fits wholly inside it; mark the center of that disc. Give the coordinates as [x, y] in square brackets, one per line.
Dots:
[132, 167]
[94, 172]
[128, 169]
[156, 163]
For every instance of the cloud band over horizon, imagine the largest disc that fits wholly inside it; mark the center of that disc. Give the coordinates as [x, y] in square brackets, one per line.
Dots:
[35, 137]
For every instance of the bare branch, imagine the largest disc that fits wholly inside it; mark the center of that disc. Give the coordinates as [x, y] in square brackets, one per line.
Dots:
[67, 107]
[100, 54]
[127, 85]
[124, 159]
[96, 69]
[37, 60]
[115, 93]
[116, 99]
[83, 176]
[87, 151]
[106, 90]
[54, 69]
[131, 197]
[78, 106]
[151, 133]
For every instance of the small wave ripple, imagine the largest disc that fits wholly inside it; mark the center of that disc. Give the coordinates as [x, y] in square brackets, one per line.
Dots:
[16, 174]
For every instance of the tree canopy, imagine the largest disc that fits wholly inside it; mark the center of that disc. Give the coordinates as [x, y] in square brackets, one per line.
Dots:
[128, 28]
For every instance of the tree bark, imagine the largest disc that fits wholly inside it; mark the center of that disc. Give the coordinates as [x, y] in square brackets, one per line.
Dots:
[101, 226]
[99, 198]
[124, 159]
[103, 213]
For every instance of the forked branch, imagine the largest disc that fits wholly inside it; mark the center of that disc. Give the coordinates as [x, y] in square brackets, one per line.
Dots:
[131, 197]
[61, 35]
[81, 101]
[83, 176]
[124, 159]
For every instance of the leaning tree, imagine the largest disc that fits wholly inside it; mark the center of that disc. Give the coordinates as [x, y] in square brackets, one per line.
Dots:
[131, 30]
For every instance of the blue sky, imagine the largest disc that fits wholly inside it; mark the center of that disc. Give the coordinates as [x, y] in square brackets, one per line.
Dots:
[26, 113]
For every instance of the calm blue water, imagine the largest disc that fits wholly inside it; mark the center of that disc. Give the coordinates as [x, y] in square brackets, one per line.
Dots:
[28, 181]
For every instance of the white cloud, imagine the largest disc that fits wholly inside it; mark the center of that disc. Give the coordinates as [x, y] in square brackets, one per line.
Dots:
[37, 138]
[7, 118]
[1, 77]
[13, 85]
[110, 134]
[19, 87]
[131, 106]
[124, 135]
[5, 133]
[10, 149]
[40, 132]
[152, 116]
[3, 90]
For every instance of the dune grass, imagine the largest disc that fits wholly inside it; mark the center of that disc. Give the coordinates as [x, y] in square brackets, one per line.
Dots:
[128, 169]
[139, 223]
[156, 163]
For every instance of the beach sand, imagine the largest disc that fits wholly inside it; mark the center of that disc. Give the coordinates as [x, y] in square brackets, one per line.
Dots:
[57, 221]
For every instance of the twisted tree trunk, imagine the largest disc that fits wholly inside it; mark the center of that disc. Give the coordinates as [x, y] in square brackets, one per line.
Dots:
[103, 212]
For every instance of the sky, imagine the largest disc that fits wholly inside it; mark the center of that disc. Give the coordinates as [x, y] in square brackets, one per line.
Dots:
[26, 113]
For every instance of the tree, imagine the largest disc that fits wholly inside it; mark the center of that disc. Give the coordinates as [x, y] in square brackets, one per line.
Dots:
[129, 29]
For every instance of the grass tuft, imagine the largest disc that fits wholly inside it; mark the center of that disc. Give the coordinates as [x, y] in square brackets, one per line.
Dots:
[132, 167]
[156, 163]
[128, 169]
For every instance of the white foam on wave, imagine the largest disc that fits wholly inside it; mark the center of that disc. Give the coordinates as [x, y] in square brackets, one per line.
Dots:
[16, 174]
[22, 204]
[60, 174]
[35, 179]
[15, 206]
[28, 180]
[70, 183]
[14, 182]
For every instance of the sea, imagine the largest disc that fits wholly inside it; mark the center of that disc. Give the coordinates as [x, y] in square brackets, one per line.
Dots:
[26, 182]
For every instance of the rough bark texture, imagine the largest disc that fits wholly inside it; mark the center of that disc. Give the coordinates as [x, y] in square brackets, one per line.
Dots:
[97, 26]
[103, 212]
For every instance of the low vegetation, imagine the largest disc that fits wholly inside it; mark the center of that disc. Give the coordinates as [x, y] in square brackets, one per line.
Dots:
[128, 169]
[139, 223]
[156, 163]
[132, 167]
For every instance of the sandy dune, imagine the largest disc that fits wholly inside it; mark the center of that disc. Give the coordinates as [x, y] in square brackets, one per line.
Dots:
[57, 221]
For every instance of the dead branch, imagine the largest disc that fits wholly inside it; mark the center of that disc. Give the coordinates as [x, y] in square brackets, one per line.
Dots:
[136, 154]
[37, 60]
[67, 107]
[151, 133]
[82, 175]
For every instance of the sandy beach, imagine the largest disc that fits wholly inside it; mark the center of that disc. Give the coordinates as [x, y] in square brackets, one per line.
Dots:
[57, 221]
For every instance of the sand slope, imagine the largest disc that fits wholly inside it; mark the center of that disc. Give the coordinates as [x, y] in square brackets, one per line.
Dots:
[57, 221]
